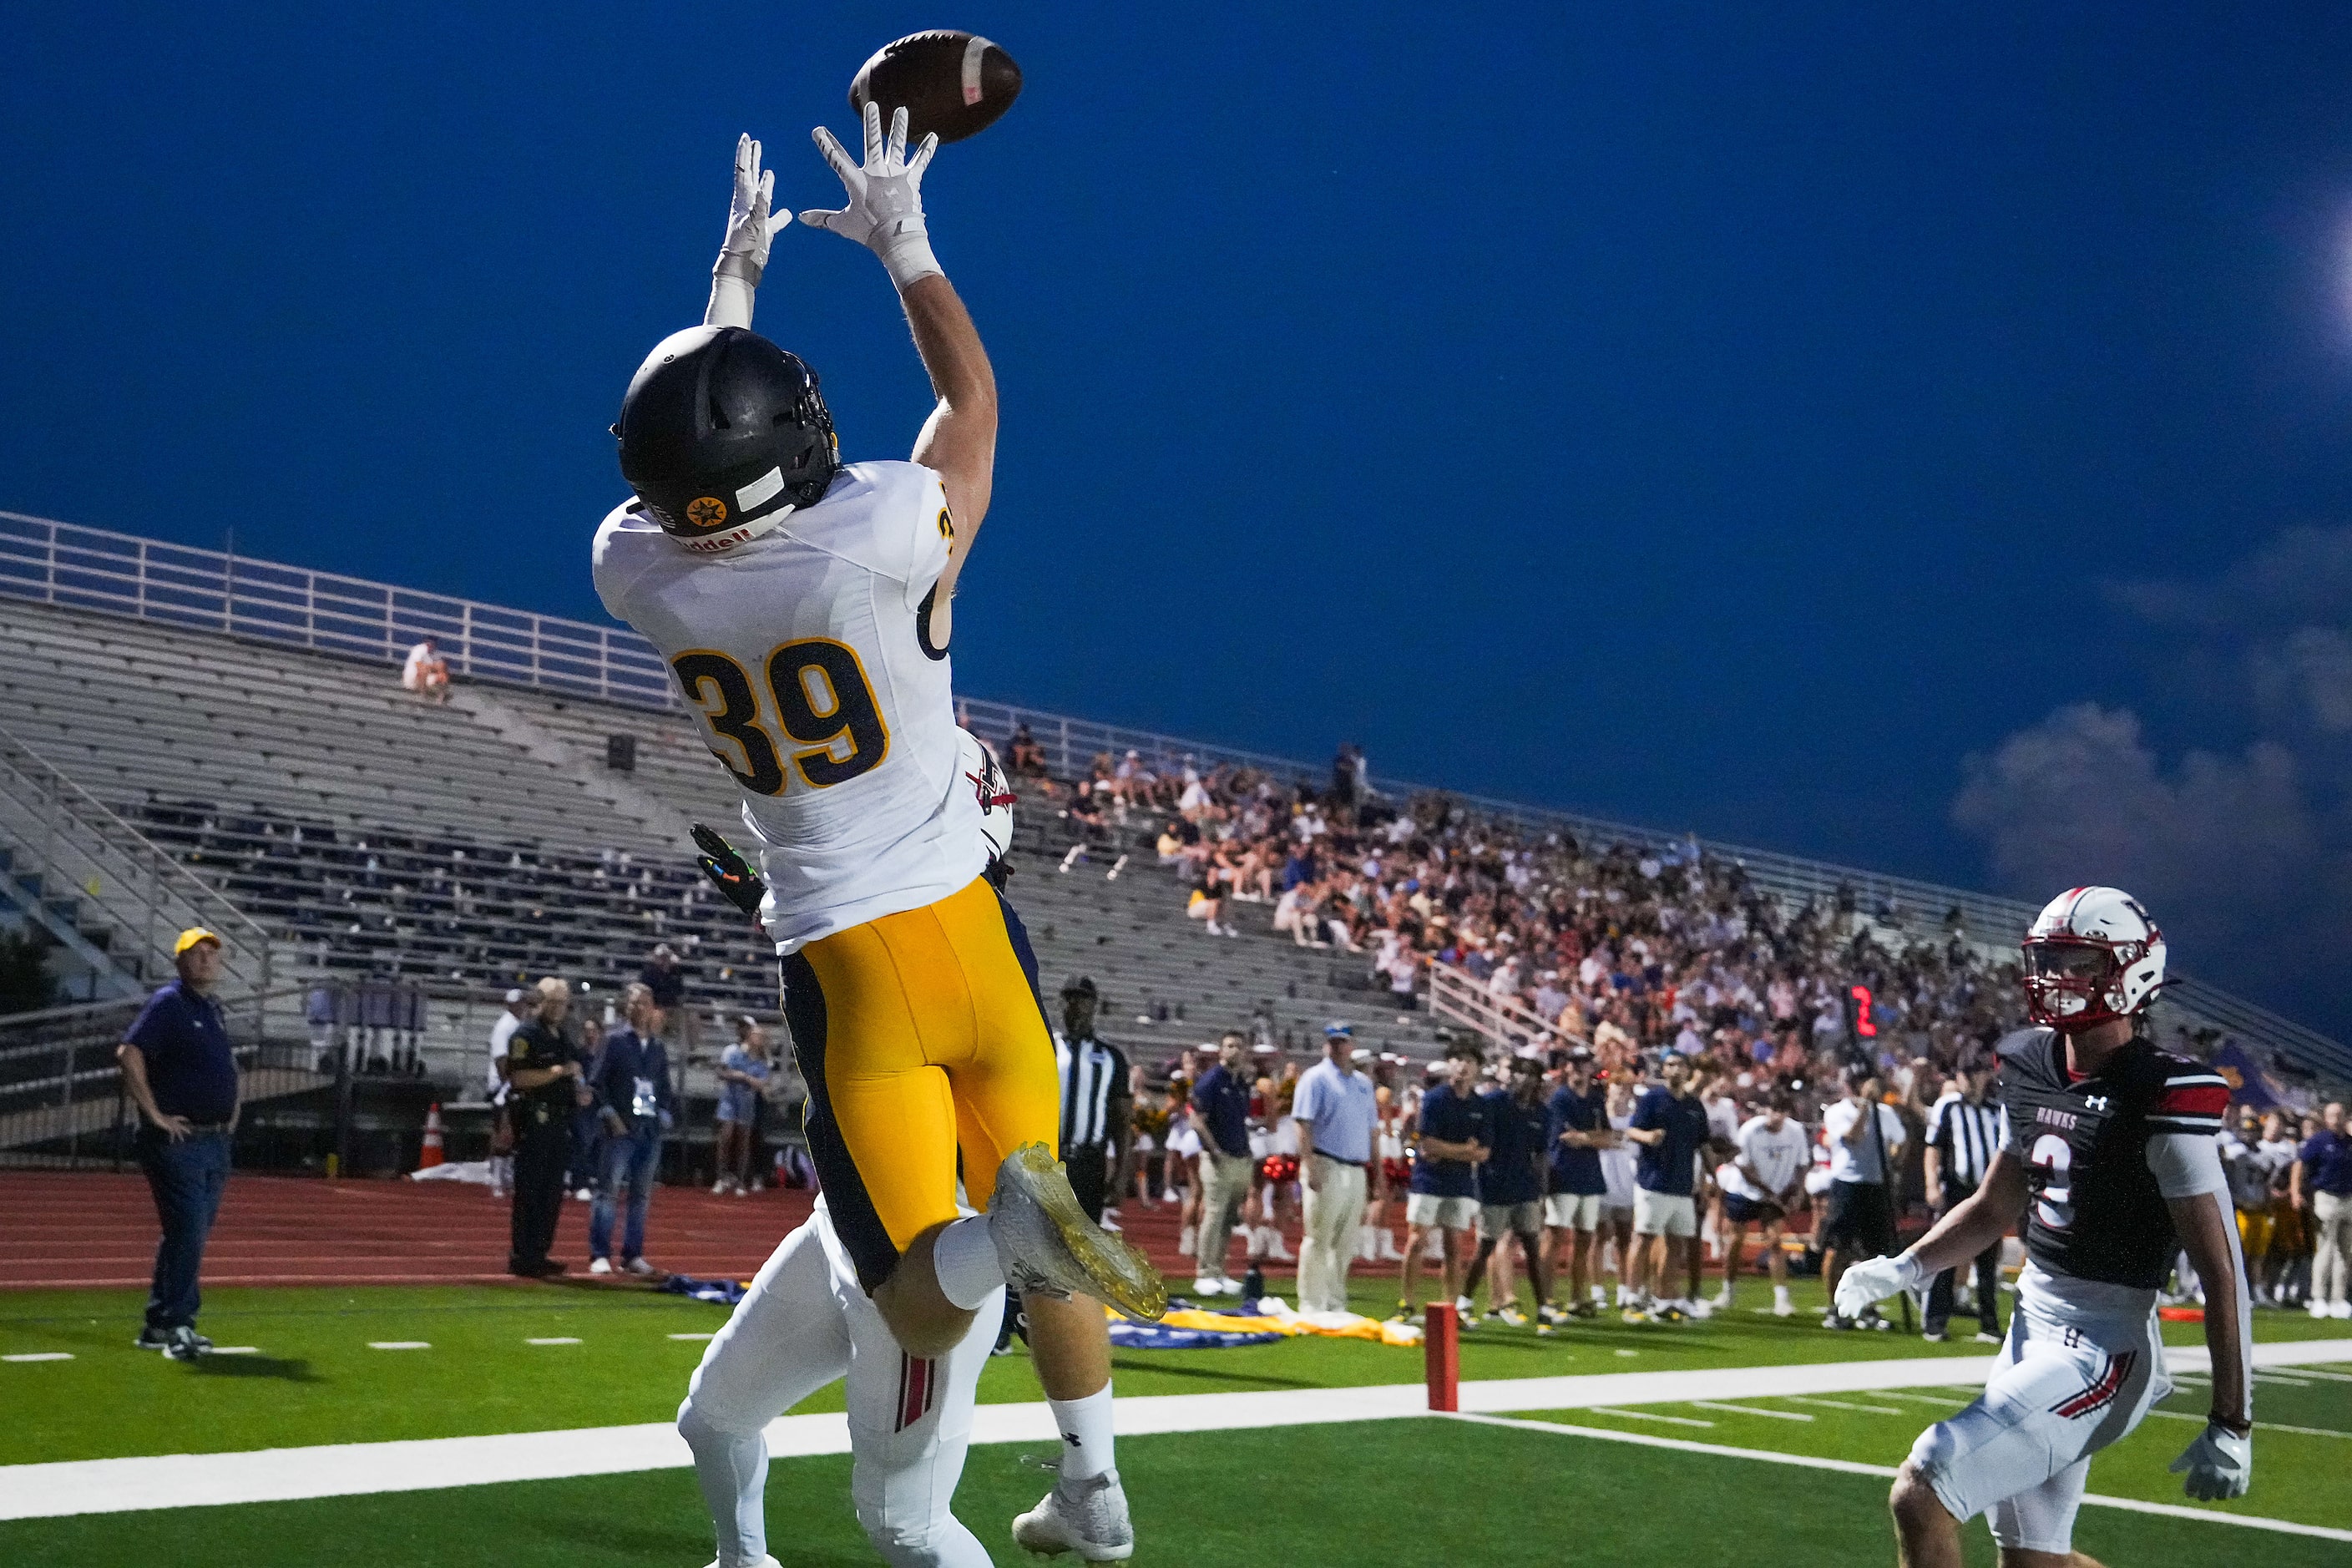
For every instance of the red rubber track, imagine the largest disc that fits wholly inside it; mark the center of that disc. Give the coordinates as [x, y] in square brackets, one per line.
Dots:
[96, 1228]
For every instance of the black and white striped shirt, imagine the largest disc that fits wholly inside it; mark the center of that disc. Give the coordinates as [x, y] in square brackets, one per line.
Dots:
[1967, 1136]
[1093, 1075]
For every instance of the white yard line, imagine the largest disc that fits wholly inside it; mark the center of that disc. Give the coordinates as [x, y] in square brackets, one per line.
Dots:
[39, 1356]
[347, 1469]
[689, 1336]
[1646, 1415]
[1848, 1405]
[400, 1344]
[2259, 1426]
[1748, 1409]
[554, 1340]
[1852, 1467]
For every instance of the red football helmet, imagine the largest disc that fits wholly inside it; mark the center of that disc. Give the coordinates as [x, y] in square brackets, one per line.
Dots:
[2092, 956]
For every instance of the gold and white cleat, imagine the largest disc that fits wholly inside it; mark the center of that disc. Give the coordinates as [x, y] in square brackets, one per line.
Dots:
[1046, 1243]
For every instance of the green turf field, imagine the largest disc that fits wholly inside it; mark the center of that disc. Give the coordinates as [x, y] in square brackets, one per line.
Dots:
[1213, 1496]
[1404, 1494]
[316, 1379]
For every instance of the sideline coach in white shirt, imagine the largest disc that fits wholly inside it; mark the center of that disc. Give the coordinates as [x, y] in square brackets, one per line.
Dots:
[1335, 1114]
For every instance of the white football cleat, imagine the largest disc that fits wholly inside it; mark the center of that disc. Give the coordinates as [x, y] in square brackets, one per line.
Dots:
[762, 1563]
[1088, 1517]
[600, 1265]
[1046, 1243]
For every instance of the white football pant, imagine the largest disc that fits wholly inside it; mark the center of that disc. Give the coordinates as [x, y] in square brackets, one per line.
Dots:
[803, 1323]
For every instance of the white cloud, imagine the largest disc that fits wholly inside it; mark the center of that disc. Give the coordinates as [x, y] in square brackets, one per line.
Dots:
[2244, 851]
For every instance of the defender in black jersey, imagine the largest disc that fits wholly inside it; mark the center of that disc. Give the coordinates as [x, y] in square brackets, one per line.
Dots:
[2109, 1159]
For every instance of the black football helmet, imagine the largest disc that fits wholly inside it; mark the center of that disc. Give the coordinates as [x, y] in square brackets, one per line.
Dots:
[723, 434]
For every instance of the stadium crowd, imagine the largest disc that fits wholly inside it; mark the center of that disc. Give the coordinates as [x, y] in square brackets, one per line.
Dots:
[1653, 975]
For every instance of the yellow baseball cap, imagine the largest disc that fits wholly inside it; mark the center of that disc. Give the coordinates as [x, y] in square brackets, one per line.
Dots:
[190, 937]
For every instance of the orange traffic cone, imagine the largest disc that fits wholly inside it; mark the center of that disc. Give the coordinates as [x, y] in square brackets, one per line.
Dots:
[432, 1154]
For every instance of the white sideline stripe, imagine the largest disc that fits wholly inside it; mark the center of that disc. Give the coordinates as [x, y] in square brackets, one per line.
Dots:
[427, 1464]
[39, 1356]
[1854, 1467]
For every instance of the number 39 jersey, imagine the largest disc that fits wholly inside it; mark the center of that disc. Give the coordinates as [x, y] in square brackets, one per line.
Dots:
[2096, 1212]
[806, 657]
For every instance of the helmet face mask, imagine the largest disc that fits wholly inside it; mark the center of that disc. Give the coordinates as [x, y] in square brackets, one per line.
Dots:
[2093, 956]
[722, 436]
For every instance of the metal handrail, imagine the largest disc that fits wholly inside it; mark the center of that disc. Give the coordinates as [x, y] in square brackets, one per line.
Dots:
[1454, 994]
[199, 892]
[133, 879]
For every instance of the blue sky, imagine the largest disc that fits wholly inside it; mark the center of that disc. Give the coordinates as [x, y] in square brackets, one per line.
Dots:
[1714, 418]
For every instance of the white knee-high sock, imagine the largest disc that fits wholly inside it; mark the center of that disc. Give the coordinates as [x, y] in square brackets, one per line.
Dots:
[733, 1474]
[1084, 1426]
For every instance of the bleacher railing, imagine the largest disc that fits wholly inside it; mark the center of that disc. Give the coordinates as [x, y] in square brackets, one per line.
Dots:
[212, 590]
[88, 568]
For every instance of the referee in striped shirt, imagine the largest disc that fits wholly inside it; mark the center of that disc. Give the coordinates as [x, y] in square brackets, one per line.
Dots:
[1097, 1104]
[1963, 1135]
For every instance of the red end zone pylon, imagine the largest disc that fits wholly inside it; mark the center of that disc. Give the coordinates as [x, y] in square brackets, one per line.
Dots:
[1440, 1340]
[431, 1155]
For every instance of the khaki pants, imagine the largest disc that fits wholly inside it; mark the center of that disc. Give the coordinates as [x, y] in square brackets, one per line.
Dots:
[2332, 1213]
[1224, 1188]
[1334, 1210]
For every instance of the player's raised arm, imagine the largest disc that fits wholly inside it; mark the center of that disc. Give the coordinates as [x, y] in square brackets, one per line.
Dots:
[885, 215]
[743, 255]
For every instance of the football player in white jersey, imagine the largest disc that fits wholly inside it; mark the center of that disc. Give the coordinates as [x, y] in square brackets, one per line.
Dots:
[802, 605]
[2110, 1161]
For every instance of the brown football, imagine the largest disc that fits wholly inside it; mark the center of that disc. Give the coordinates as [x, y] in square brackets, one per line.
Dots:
[951, 85]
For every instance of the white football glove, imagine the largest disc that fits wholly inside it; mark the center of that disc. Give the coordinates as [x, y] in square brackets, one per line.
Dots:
[2220, 1463]
[751, 227]
[886, 196]
[1868, 1283]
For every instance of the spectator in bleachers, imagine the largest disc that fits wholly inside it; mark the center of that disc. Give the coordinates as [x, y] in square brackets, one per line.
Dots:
[743, 1072]
[425, 672]
[630, 1085]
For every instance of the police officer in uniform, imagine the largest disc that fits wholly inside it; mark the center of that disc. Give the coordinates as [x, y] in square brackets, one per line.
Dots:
[543, 1078]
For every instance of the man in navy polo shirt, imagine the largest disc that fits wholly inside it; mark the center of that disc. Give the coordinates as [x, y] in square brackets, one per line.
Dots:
[1576, 1129]
[1670, 1124]
[1450, 1139]
[1221, 1105]
[178, 1069]
[1510, 1194]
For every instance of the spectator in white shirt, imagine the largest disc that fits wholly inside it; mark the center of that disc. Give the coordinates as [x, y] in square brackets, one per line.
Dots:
[519, 1008]
[1763, 1186]
[427, 673]
[1863, 1135]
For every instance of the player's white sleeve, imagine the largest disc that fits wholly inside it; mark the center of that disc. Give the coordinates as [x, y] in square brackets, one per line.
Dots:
[2189, 1165]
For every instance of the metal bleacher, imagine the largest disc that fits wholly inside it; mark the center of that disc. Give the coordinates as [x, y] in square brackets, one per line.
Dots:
[244, 716]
